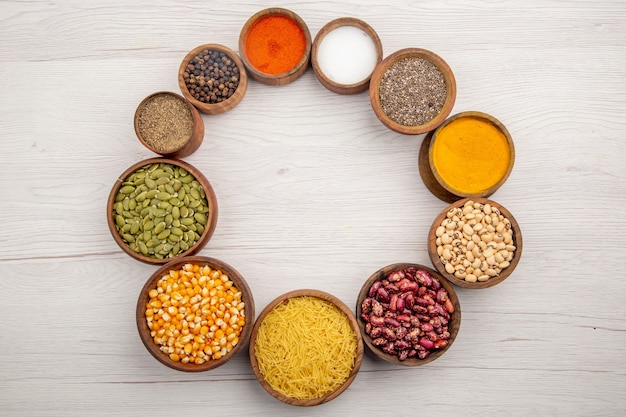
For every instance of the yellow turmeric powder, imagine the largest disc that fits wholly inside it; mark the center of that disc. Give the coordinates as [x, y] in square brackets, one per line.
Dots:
[470, 155]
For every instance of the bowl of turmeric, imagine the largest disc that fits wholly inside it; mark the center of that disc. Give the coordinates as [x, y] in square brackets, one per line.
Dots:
[470, 155]
[275, 46]
[305, 347]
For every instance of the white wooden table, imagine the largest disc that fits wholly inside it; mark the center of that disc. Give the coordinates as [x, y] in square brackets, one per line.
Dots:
[314, 192]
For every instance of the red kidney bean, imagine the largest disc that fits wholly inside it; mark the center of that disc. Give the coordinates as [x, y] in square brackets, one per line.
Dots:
[395, 276]
[383, 295]
[377, 321]
[449, 306]
[409, 301]
[427, 343]
[375, 332]
[423, 354]
[439, 344]
[374, 288]
[442, 296]
[426, 327]
[392, 322]
[400, 304]
[388, 333]
[407, 286]
[393, 303]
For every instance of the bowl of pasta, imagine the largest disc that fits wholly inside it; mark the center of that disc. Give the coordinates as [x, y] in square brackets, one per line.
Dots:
[306, 347]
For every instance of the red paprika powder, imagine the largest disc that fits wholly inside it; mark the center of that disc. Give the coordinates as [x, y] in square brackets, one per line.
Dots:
[275, 44]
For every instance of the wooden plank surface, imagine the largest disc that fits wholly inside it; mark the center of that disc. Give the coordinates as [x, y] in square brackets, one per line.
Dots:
[314, 192]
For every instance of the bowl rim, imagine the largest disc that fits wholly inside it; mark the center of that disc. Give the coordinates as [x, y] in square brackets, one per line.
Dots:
[453, 326]
[385, 64]
[144, 331]
[211, 201]
[233, 100]
[439, 266]
[285, 77]
[488, 119]
[340, 88]
[306, 292]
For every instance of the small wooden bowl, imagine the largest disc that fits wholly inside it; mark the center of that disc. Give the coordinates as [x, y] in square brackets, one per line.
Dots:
[453, 325]
[285, 77]
[334, 86]
[233, 100]
[357, 362]
[392, 59]
[440, 266]
[186, 148]
[211, 216]
[432, 178]
[144, 331]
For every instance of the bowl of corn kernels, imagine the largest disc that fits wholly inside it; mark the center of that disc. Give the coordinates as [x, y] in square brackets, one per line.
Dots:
[195, 313]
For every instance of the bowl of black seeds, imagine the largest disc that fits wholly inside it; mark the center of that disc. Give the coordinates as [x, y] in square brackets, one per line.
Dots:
[412, 91]
[212, 77]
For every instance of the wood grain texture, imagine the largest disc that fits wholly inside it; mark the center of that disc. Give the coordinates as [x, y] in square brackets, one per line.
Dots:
[314, 192]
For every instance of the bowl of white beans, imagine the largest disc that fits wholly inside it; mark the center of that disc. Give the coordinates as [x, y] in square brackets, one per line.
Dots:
[475, 243]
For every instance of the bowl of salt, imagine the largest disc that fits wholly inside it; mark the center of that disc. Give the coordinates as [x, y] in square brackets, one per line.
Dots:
[344, 55]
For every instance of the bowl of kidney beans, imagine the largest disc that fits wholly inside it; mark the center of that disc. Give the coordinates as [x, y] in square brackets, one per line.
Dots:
[408, 314]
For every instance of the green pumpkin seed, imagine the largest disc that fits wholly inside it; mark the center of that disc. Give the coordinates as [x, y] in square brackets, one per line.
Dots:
[120, 221]
[183, 245]
[150, 183]
[164, 234]
[127, 189]
[173, 238]
[128, 237]
[175, 213]
[200, 229]
[134, 228]
[159, 227]
[162, 180]
[141, 196]
[168, 219]
[142, 248]
[153, 243]
[200, 218]
[151, 194]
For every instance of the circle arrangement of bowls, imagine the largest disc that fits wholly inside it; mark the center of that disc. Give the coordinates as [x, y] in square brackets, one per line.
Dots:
[323, 78]
[440, 267]
[144, 331]
[379, 73]
[453, 325]
[435, 183]
[233, 100]
[357, 362]
[286, 77]
[211, 217]
[193, 142]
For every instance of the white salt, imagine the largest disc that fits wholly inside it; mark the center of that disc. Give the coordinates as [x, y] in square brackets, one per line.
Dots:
[347, 55]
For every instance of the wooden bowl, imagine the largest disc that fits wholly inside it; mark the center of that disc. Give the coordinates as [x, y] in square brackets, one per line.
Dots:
[386, 64]
[112, 212]
[144, 329]
[167, 122]
[358, 354]
[436, 182]
[330, 81]
[439, 263]
[208, 107]
[288, 75]
[381, 275]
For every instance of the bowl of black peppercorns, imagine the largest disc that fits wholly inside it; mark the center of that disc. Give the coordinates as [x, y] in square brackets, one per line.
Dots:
[212, 78]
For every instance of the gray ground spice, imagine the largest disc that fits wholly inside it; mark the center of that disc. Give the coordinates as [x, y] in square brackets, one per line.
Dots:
[412, 91]
[165, 123]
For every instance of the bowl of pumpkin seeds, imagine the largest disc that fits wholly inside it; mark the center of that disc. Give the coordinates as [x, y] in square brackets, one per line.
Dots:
[161, 209]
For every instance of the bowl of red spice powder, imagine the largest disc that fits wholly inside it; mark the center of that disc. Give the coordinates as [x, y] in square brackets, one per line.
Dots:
[275, 46]
[213, 78]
